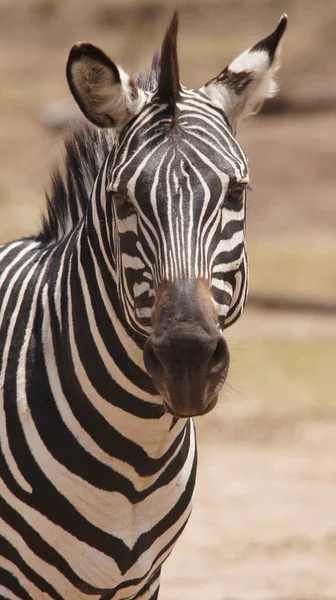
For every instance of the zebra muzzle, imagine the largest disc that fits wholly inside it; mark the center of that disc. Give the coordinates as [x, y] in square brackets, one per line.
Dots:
[186, 355]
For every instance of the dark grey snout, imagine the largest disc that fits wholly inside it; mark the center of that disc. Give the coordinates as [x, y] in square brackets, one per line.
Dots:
[186, 355]
[184, 348]
[188, 365]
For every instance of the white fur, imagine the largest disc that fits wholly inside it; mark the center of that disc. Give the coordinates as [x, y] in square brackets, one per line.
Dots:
[103, 96]
[257, 62]
[262, 86]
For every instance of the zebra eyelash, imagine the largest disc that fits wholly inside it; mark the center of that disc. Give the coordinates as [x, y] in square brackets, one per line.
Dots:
[123, 205]
[237, 191]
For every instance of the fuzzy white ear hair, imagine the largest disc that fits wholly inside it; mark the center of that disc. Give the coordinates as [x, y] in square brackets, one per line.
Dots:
[241, 88]
[104, 92]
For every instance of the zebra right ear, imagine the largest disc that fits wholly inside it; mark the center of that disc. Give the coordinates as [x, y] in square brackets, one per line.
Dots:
[241, 88]
[105, 93]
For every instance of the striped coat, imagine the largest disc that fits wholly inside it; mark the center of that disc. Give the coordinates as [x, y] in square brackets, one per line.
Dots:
[111, 325]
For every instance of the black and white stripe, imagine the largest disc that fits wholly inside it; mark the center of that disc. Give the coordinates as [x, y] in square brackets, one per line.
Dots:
[96, 479]
[184, 225]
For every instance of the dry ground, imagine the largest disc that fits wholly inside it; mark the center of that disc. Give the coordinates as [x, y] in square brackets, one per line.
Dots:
[264, 525]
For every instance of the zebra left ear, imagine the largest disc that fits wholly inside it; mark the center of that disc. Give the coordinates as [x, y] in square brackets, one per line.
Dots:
[104, 92]
[241, 88]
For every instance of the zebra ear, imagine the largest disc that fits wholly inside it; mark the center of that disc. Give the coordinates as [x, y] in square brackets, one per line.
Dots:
[104, 93]
[241, 88]
[169, 84]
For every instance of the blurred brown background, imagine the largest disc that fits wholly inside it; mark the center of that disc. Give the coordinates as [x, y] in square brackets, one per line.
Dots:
[264, 526]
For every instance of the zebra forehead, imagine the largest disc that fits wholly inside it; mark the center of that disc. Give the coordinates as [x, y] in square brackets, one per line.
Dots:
[178, 163]
[199, 137]
[194, 113]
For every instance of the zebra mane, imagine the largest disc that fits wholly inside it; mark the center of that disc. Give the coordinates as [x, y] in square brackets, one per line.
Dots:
[85, 148]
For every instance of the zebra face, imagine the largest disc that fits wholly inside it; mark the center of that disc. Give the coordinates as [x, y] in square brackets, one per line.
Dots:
[175, 199]
[178, 196]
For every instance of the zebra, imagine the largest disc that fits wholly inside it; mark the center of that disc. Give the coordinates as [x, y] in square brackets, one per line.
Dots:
[112, 321]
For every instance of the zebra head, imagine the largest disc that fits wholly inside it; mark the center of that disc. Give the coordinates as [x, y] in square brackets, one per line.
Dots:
[174, 188]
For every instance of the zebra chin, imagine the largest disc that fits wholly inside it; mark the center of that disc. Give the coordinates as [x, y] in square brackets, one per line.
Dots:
[186, 355]
[194, 404]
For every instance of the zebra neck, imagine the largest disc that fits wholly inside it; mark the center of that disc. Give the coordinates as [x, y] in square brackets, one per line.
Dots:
[90, 294]
[95, 367]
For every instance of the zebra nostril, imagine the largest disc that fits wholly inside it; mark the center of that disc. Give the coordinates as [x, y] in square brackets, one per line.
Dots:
[220, 358]
[152, 361]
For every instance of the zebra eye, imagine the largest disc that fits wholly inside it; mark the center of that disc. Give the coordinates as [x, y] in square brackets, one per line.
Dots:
[124, 206]
[236, 193]
[119, 199]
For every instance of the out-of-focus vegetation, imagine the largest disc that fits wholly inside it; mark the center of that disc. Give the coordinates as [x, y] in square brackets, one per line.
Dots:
[294, 266]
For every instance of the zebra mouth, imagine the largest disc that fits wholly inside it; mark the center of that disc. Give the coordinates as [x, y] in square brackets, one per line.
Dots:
[188, 401]
[183, 414]
[191, 391]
